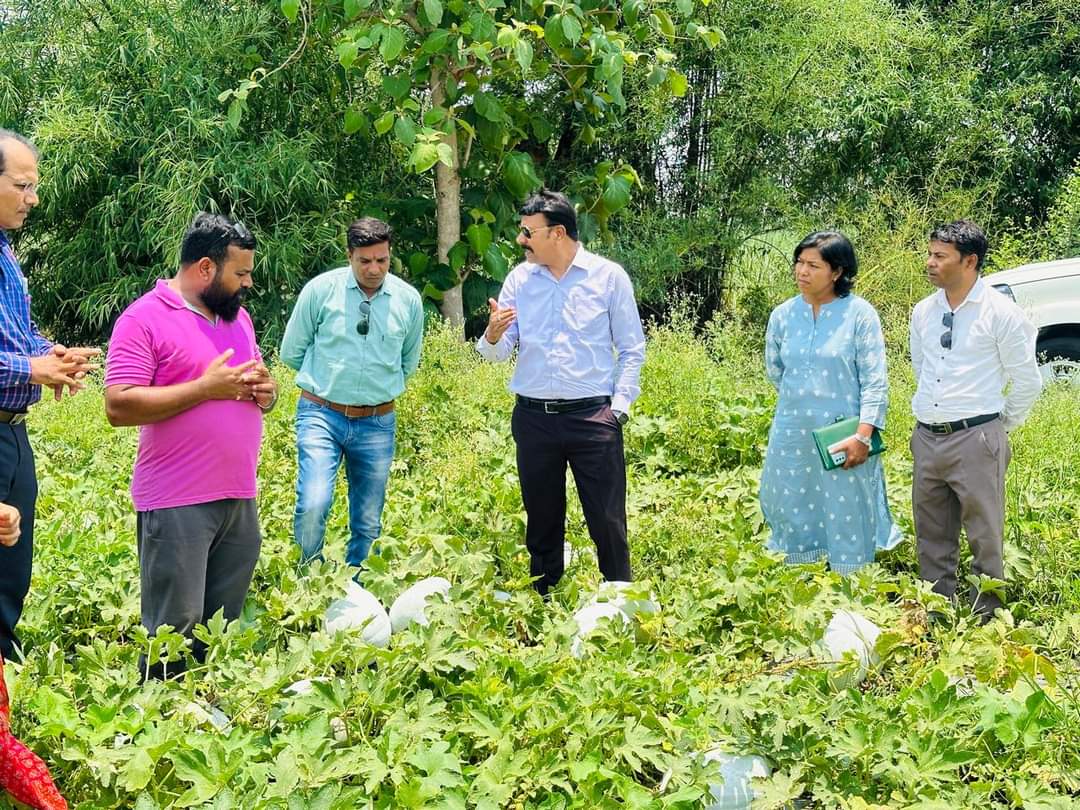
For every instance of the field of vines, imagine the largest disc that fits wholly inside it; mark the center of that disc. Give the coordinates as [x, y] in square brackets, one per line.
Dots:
[486, 707]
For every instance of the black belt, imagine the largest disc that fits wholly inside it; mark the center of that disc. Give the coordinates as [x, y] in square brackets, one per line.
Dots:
[561, 405]
[944, 428]
[12, 417]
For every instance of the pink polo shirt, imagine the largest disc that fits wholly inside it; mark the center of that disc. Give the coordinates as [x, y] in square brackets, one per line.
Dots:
[208, 452]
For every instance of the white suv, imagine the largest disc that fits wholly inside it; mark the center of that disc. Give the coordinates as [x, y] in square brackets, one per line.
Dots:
[1050, 295]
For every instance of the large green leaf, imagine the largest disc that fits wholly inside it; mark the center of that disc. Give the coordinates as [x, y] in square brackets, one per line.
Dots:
[479, 236]
[553, 32]
[488, 106]
[354, 121]
[571, 28]
[393, 42]
[423, 156]
[398, 86]
[458, 255]
[519, 174]
[523, 53]
[290, 8]
[385, 122]
[616, 193]
[434, 11]
[405, 132]
[494, 263]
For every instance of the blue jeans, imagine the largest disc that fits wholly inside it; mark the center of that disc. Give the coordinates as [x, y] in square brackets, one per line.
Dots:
[322, 437]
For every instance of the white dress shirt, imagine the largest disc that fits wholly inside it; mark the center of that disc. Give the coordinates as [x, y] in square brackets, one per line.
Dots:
[578, 336]
[993, 343]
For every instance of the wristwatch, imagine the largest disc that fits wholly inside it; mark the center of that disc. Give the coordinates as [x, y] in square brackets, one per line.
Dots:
[864, 439]
[621, 417]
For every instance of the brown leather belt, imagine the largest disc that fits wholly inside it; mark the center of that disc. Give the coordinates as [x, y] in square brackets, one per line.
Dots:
[12, 417]
[351, 411]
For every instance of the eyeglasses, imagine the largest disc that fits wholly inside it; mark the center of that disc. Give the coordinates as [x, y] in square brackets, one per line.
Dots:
[26, 189]
[364, 323]
[528, 232]
[946, 338]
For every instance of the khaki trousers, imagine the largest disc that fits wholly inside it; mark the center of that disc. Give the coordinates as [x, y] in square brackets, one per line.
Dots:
[959, 480]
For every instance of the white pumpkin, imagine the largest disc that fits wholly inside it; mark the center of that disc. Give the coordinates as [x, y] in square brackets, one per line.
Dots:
[734, 791]
[849, 632]
[615, 593]
[410, 606]
[589, 618]
[359, 610]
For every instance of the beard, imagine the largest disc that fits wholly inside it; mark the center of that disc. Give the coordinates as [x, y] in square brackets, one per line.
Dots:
[223, 304]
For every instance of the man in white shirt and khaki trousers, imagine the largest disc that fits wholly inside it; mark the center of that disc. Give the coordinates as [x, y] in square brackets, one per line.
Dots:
[968, 341]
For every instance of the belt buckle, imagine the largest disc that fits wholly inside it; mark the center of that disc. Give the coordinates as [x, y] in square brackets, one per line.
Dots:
[548, 406]
[17, 419]
[946, 428]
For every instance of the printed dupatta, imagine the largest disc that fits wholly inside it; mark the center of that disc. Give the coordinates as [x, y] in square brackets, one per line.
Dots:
[22, 773]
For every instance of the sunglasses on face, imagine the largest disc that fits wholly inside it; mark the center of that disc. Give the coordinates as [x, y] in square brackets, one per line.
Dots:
[946, 338]
[364, 323]
[528, 232]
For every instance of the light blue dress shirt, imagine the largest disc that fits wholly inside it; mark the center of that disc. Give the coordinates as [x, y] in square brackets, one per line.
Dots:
[337, 363]
[578, 336]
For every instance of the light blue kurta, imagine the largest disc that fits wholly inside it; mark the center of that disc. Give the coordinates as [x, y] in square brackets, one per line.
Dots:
[826, 369]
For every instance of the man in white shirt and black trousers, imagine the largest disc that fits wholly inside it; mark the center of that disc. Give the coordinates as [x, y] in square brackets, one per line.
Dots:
[968, 342]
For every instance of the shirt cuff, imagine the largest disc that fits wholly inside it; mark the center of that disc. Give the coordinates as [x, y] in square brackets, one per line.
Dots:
[18, 370]
[620, 403]
[489, 351]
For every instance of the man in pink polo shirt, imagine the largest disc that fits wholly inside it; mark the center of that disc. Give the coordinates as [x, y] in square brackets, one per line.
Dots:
[183, 364]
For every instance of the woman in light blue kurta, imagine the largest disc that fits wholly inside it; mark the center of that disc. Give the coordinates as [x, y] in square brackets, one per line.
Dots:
[825, 353]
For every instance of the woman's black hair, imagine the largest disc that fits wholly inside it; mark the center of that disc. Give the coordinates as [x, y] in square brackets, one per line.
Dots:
[838, 253]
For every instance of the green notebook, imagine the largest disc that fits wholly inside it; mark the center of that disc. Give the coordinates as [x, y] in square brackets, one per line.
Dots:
[840, 430]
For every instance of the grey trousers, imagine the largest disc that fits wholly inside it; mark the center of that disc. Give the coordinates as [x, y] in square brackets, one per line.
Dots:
[194, 561]
[959, 480]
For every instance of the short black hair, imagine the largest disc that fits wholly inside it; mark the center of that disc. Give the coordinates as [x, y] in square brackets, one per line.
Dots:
[368, 231]
[967, 237]
[556, 208]
[8, 135]
[838, 252]
[210, 235]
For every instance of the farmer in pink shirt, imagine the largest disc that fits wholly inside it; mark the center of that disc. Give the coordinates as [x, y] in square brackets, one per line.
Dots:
[183, 364]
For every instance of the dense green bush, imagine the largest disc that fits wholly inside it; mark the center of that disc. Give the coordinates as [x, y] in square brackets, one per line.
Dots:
[486, 707]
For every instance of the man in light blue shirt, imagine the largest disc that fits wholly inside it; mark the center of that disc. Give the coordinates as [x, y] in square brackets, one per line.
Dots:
[354, 338]
[573, 318]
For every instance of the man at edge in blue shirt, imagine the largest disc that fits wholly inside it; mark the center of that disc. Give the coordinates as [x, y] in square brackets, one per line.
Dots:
[28, 361]
[354, 337]
[573, 317]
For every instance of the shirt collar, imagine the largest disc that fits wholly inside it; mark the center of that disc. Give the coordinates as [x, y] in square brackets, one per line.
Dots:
[584, 259]
[354, 284]
[4, 241]
[974, 294]
[173, 299]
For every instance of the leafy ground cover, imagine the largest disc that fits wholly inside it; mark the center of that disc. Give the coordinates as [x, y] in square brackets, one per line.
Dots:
[486, 707]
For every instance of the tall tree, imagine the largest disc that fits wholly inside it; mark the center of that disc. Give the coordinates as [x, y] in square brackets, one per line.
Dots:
[477, 91]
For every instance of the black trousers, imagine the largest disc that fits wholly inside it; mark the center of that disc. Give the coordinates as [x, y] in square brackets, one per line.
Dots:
[591, 442]
[193, 561]
[18, 487]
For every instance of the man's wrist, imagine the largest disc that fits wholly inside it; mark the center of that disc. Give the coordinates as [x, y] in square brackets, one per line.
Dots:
[865, 440]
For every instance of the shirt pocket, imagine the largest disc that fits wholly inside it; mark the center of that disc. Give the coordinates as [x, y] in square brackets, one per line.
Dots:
[587, 312]
[386, 348]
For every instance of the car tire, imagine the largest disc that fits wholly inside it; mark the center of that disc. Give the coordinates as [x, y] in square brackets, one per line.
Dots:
[1059, 357]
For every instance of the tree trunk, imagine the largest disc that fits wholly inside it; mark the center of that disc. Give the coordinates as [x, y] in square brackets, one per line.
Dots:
[448, 207]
